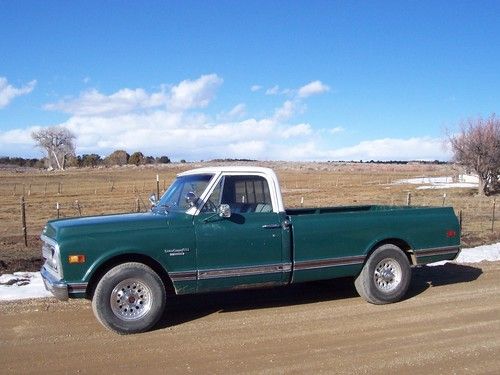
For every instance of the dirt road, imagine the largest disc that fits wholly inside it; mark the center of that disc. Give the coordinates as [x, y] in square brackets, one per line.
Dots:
[449, 324]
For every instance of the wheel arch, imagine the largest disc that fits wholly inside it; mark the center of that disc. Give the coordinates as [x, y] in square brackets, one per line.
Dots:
[402, 244]
[99, 272]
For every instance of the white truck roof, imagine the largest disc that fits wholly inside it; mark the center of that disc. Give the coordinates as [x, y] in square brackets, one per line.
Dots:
[242, 169]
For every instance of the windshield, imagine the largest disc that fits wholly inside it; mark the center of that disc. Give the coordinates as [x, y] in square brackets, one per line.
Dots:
[175, 198]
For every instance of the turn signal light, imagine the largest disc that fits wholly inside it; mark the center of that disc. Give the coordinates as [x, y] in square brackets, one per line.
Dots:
[72, 259]
[451, 233]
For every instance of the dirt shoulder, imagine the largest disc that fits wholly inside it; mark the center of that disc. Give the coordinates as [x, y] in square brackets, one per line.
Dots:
[449, 324]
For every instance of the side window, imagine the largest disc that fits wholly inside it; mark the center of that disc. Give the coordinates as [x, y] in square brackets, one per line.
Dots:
[214, 199]
[247, 194]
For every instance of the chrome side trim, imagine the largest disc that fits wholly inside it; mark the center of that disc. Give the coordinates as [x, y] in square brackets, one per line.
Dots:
[243, 271]
[229, 272]
[183, 275]
[330, 262]
[437, 251]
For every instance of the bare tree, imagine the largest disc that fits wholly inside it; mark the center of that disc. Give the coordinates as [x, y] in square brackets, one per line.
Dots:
[57, 142]
[477, 146]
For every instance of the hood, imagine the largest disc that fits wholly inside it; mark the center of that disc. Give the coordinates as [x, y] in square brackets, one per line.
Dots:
[88, 225]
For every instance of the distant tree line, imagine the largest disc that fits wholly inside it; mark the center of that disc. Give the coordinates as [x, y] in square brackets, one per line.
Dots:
[22, 162]
[118, 157]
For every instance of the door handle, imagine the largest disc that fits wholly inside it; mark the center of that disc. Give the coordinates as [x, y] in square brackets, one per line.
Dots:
[271, 226]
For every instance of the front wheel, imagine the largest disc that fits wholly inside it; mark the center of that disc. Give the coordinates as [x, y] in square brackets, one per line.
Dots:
[385, 277]
[129, 298]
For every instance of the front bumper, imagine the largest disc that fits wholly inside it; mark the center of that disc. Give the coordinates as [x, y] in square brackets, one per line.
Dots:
[57, 287]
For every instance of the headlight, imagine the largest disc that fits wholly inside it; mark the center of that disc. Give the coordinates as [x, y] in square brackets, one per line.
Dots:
[51, 253]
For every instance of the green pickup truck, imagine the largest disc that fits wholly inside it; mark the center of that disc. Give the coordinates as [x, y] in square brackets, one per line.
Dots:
[226, 228]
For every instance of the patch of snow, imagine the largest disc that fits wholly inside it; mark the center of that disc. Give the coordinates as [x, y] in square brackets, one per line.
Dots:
[489, 253]
[425, 180]
[473, 179]
[464, 181]
[23, 285]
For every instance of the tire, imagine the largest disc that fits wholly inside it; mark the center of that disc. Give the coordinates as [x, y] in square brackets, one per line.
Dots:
[129, 298]
[385, 277]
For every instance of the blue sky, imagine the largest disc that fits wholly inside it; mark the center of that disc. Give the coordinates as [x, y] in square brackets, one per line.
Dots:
[298, 80]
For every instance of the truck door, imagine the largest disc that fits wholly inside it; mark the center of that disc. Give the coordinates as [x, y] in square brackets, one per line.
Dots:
[245, 249]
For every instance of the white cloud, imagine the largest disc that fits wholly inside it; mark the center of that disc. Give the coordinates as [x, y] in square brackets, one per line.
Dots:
[92, 102]
[194, 94]
[237, 111]
[188, 94]
[312, 88]
[163, 122]
[9, 92]
[417, 148]
[297, 131]
[275, 90]
[255, 88]
[286, 111]
[17, 136]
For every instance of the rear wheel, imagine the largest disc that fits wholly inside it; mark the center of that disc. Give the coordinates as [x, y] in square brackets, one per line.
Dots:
[385, 277]
[129, 298]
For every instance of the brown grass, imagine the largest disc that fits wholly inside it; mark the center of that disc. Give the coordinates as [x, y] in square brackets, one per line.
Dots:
[113, 190]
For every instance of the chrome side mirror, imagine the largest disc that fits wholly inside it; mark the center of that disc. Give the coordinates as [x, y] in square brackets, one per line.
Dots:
[224, 211]
[152, 199]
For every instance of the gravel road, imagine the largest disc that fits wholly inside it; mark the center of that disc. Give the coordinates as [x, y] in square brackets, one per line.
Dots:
[449, 324]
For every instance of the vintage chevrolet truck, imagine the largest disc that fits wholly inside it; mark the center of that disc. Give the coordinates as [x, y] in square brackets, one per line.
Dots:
[225, 228]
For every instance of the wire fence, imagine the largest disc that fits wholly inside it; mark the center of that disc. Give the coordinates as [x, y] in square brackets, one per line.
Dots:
[477, 214]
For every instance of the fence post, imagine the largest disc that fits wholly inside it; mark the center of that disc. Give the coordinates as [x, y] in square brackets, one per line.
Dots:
[301, 201]
[57, 209]
[493, 215]
[408, 199]
[77, 204]
[137, 205]
[157, 187]
[23, 219]
[444, 199]
[460, 219]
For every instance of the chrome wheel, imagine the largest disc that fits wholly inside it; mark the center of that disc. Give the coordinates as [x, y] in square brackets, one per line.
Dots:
[387, 275]
[131, 299]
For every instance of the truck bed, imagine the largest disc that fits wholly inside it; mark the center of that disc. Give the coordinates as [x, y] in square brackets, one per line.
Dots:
[338, 239]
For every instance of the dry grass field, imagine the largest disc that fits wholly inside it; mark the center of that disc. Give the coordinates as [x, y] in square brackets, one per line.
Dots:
[121, 189]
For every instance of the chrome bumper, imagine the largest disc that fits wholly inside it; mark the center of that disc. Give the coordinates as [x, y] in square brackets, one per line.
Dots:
[57, 287]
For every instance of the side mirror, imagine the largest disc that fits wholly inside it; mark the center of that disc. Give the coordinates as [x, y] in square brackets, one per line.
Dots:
[152, 199]
[224, 211]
